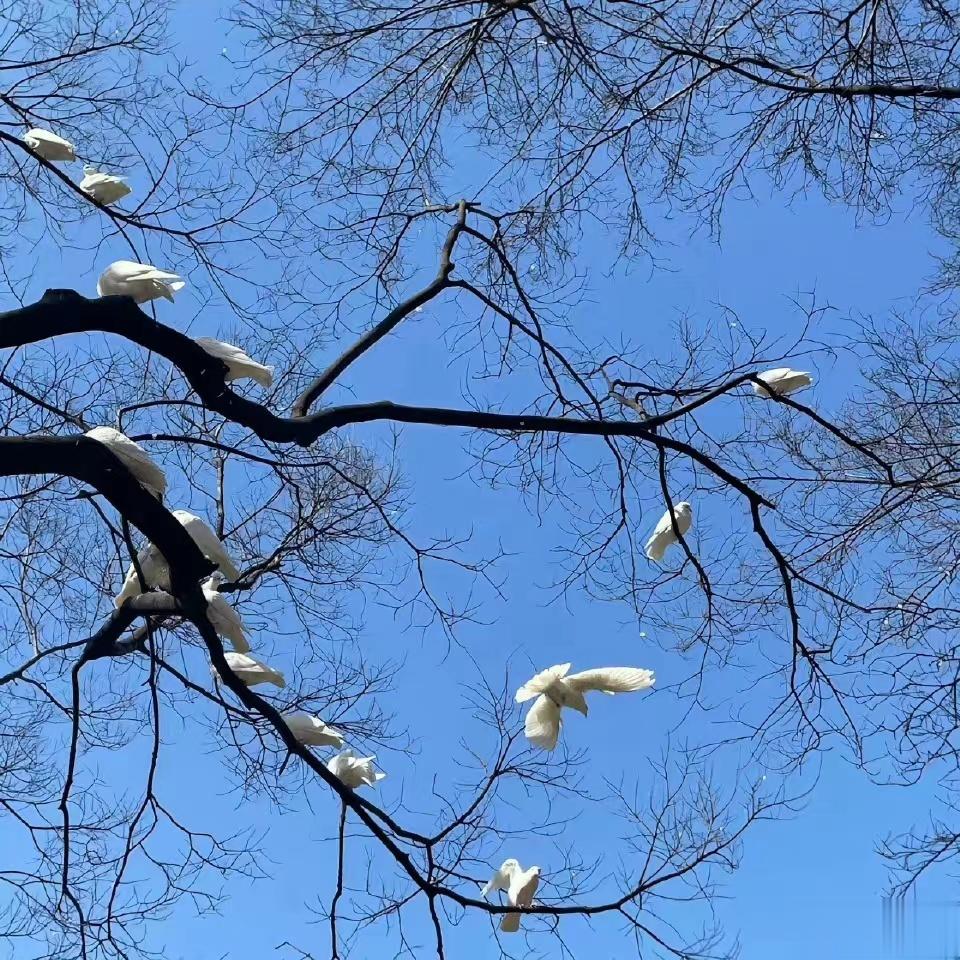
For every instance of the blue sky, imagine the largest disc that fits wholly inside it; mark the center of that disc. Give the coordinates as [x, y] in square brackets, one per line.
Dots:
[808, 885]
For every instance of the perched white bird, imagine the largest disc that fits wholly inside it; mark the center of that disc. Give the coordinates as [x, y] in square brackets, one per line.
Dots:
[105, 188]
[211, 545]
[312, 731]
[48, 145]
[125, 278]
[156, 572]
[520, 885]
[555, 689]
[133, 457]
[239, 364]
[663, 534]
[353, 771]
[251, 671]
[782, 381]
[224, 619]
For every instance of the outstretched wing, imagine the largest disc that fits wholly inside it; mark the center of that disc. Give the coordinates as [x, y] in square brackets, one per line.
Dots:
[534, 687]
[501, 879]
[542, 725]
[612, 679]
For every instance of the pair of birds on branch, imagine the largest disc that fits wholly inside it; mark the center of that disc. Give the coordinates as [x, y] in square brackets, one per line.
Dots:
[105, 188]
[676, 522]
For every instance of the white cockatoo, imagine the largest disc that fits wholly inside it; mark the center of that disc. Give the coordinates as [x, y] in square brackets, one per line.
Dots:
[223, 617]
[48, 145]
[251, 671]
[133, 457]
[353, 771]
[105, 188]
[156, 572]
[782, 381]
[143, 282]
[663, 534]
[556, 688]
[312, 731]
[239, 364]
[520, 885]
[212, 546]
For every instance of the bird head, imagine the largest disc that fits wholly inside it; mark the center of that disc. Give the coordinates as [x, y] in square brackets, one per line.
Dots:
[89, 170]
[214, 580]
[684, 508]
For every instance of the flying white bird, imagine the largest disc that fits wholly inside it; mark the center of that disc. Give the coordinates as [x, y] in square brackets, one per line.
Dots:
[239, 364]
[251, 671]
[312, 731]
[133, 457]
[555, 689]
[224, 619]
[520, 885]
[353, 771]
[663, 534]
[156, 572]
[105, 188]
[143, 282]
[782, 381]
[48, 145]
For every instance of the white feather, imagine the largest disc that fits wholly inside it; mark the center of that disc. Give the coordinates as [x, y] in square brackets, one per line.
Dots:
[211, 545]
[154, 566]
[48, 145]
[782, 381]
[239, 364]
[354, 771]
[312, 731]
[542, 723]
[557, 688]
[501, 878]
[538, 684]
[251, 671]
[523, 885]
[105, 188]
[141, 281]
[155, 571]
[224, 618]
[663, 535]
[612, 679]
[133, 457]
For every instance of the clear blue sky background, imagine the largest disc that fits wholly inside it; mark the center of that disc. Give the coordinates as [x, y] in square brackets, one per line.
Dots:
[808, 887]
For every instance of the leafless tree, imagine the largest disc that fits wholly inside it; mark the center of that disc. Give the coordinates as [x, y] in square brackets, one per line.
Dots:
[607, 435]
[605, 108]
